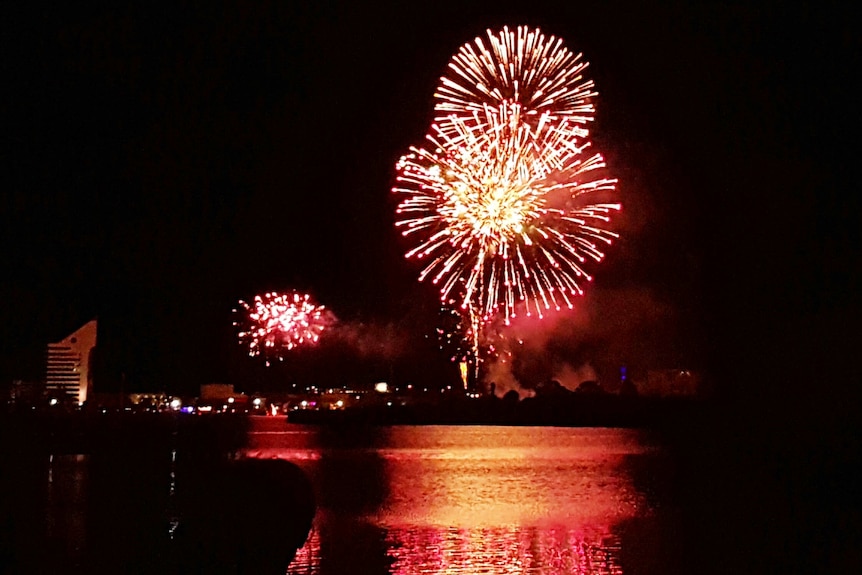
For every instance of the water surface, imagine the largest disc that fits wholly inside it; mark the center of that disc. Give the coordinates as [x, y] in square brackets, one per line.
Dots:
[469, 499]
[401, 500]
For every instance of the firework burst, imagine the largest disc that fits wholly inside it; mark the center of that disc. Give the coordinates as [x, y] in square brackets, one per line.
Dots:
[506, 205]
[274, 323]
[522, 67]
[503, 211]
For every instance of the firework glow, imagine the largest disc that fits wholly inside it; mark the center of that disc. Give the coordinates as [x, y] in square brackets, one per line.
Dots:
[506, 204]
[274, 323]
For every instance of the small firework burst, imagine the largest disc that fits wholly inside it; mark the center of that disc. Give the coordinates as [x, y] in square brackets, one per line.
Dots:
[274, 323]
[454, 336]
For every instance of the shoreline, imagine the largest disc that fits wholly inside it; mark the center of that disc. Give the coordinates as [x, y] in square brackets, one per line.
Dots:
[46, 431]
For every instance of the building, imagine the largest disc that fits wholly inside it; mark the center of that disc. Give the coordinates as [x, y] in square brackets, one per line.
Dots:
[69, 362]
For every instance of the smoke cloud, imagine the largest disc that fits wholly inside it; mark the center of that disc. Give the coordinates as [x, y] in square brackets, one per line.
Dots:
[571, 377]
[607, 329]
[369, 340]
[499, 373]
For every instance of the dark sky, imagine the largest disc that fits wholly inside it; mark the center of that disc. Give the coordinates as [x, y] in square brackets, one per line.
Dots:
[160, 162]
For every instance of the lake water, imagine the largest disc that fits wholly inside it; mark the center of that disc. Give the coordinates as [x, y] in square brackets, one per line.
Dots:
[472, 499]
[460, 500]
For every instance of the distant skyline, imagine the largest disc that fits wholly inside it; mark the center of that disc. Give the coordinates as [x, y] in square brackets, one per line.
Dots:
[163, 162]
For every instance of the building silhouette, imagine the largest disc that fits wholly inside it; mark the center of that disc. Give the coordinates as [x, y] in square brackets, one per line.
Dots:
[68, 365]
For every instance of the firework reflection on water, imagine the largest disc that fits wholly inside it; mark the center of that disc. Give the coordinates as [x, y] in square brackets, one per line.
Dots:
[464, 500]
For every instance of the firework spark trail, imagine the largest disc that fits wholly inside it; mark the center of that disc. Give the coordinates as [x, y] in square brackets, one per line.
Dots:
[499, 208]
[274, 323]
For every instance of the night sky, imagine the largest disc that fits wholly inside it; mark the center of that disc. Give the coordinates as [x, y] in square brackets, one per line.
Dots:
[160, 163]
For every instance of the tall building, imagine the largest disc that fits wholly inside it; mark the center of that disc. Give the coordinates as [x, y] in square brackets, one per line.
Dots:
[68, 366]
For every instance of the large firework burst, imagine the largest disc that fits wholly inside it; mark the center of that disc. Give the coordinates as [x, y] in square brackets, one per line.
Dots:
[504, 211]
[274, 323]
[505, 204]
